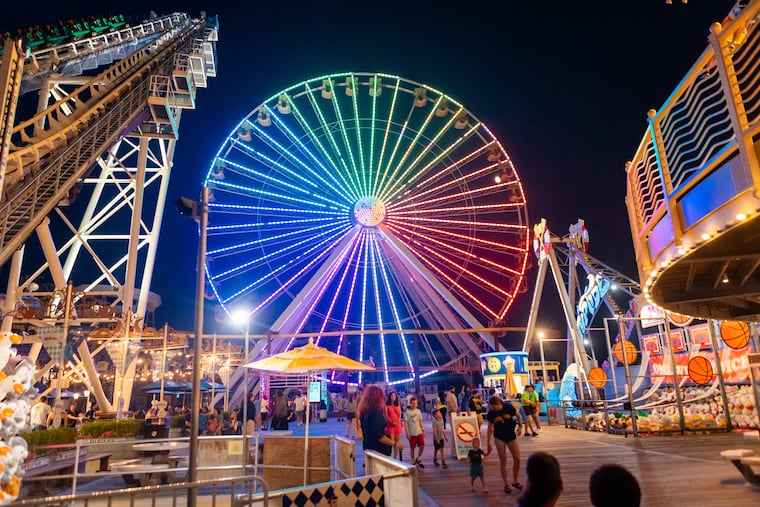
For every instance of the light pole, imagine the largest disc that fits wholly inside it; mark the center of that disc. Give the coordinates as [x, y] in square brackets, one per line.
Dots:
[239, 317]
[199, 212]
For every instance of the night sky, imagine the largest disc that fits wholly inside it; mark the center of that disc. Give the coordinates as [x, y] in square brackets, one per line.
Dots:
[564, 85]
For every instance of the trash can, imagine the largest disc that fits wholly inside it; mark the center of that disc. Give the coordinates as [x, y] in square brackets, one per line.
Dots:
[322, 411]
[156, 427]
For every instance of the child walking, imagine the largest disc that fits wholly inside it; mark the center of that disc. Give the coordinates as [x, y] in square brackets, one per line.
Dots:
[439, 436]
[475, 459]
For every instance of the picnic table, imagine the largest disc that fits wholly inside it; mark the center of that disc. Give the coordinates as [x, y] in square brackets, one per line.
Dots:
[156, 465]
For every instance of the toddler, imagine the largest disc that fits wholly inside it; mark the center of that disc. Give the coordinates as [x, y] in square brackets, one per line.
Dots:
[475, 459]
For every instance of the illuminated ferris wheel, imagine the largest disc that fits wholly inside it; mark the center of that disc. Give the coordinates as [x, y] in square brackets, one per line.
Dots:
[373, 207]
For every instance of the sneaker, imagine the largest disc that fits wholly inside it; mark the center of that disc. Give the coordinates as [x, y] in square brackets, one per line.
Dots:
[419, 464]
[507, 489]
[535, 434]
[435, 463]
[444, 465]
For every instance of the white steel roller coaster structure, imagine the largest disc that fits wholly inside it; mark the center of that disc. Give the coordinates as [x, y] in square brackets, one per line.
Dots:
[105, 130]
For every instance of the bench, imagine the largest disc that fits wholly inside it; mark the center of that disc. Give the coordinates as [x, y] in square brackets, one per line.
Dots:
[743, 459]
[63, 470]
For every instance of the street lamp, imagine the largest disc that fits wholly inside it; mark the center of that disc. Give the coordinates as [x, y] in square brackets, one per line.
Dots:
[242, 317]
[199, 212]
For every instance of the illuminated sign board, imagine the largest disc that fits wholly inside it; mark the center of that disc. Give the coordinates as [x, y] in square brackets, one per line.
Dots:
[591, 300]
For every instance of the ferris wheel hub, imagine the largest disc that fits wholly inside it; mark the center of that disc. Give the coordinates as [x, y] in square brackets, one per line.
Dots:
[369, 211]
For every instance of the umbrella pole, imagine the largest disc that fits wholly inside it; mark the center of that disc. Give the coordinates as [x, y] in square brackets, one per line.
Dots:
[306, 437]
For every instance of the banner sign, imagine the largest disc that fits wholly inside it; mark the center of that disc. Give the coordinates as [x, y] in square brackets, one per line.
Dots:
[735, 365]
[591, 300]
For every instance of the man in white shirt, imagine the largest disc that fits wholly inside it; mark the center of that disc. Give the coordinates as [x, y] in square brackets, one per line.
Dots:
[39, 415]
[300, 406]
[415, 431]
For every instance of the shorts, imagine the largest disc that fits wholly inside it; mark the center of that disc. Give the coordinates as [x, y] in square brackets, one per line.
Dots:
[416, 441]
[351, 416]
[437, 444]
[529, 411]
[476, 470]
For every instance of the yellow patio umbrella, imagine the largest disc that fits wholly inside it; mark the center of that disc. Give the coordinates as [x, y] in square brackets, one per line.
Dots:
[307, 359]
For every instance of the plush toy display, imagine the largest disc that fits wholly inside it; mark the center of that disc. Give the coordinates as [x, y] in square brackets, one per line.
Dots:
[16, 385]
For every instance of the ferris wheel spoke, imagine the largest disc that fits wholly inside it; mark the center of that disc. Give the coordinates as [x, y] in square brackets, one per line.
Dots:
[239, 209]
[479, 258]
[274, 238]
[314, 102]
[388, 124]
[460, 164]
[378, 307]
[351, 292]
[325, 281]
[465, 238]
[400, 136]
[346, 265]
[456, 265]
[399, 325]
[288, 248]
[438, 174]
[402, 183]
[334, 186]
[363, 321]
[357, 124]
[305, 125]
[452, 282]
[354, 169]
[393, 180]
[320, 250]
[443, 189]
[258, 176]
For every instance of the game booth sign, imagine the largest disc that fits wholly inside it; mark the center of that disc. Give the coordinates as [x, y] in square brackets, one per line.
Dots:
[710, 365]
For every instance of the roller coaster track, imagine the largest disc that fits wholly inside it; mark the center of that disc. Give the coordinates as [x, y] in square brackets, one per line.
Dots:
[51, 152]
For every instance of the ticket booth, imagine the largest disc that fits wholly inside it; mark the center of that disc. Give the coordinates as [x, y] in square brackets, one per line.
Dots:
[506, 371]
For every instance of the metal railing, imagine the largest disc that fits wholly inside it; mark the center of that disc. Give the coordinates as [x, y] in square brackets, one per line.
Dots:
[233, 491]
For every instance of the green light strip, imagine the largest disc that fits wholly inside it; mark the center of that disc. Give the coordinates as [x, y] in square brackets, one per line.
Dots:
[378, 183]
[346, 142]
[365, 187]
[291, 154]
[394, 183]
[371, 187]
[422, 172]
[395, 148]
[315, 107]
[424, 152]
[315, 139]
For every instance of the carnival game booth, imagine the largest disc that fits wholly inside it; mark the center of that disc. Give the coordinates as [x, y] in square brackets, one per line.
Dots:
[507, 372]
[681, 374]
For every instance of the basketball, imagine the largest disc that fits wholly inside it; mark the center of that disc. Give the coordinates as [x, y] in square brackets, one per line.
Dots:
[735, 334]
[597, 377]
[700, 370]
[680, 320]
[630, 352]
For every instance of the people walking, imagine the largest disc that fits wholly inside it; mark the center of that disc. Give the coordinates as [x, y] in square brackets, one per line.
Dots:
[530, 407]
[439, 437]
[393, 422]
[415, 432]
[475, 460]
[350, 415]
[373, 422]
[504, 424]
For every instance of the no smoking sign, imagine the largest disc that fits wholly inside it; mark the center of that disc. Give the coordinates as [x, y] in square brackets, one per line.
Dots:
[466, 431]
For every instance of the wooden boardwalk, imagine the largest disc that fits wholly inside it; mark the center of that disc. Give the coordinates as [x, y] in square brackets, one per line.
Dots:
[672, 470]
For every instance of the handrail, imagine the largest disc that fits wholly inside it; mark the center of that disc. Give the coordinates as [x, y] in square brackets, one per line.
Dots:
[176, 491]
